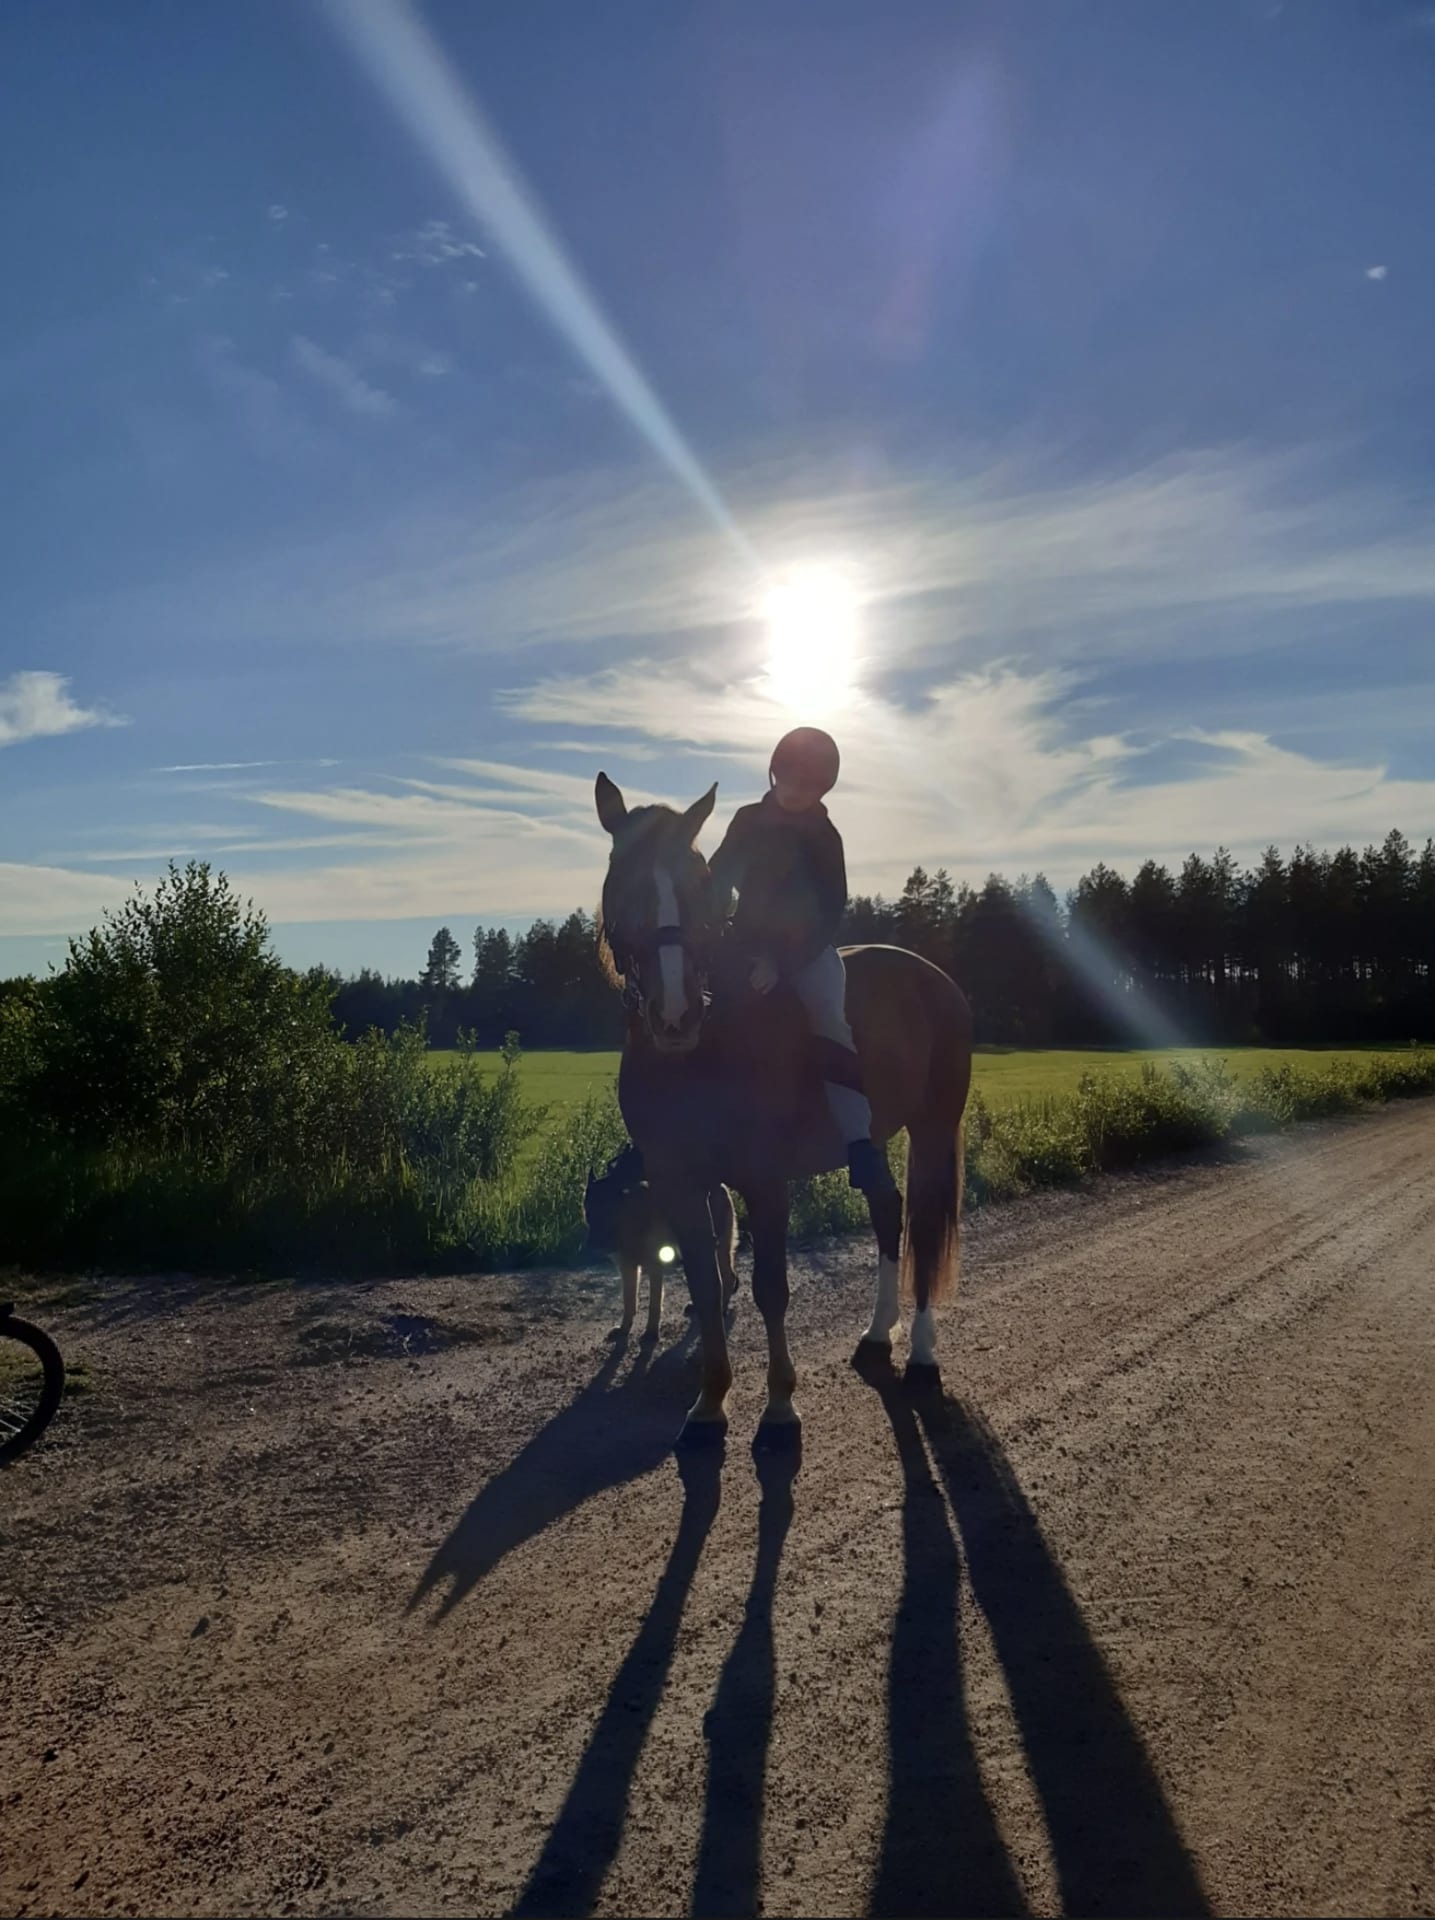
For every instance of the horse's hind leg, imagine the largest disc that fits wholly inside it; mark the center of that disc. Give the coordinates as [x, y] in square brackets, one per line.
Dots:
[781, 1424]
[886, 1212]
[934, 1205]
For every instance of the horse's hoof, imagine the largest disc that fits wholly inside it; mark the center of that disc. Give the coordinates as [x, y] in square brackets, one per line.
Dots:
[702, 1435]
[923, 1376]
[873, 1358]
[778, 1436]
[619, 1334]
[649, 1335]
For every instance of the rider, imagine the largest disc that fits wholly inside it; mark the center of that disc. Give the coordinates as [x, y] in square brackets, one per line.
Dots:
[784, 857]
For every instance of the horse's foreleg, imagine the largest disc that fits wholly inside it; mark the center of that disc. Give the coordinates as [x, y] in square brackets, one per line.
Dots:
[725, 1235]
[767, 1216]
[886, 1212]
[686, 1209]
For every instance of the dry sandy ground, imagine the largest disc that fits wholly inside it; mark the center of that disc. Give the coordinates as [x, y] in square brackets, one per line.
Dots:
[392, 1599]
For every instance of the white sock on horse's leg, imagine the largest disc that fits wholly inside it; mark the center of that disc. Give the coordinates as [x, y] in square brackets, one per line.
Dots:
[886, 1314]
[924, 1338]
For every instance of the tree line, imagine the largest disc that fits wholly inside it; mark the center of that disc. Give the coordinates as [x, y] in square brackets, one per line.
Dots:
[1315, 947]
[544, 985]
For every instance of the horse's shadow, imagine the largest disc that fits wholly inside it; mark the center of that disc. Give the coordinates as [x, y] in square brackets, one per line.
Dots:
[1115, 1843]
[583, 1841]
[941, 1850]
[738, 1725]
[608, 1435]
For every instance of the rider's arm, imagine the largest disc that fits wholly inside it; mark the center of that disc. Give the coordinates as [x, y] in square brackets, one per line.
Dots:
[726, 866]
[827, 897]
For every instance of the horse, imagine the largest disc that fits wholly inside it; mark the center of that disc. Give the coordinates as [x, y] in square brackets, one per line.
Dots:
[726, 1087]
[623, 1220]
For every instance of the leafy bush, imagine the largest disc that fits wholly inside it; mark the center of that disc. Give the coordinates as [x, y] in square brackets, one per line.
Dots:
[1112, 1122]
[175, 1096]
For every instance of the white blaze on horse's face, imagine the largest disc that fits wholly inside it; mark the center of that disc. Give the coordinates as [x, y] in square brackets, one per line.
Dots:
[670, 957]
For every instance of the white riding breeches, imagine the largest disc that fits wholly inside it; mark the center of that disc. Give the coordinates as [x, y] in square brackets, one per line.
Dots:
[821, 986]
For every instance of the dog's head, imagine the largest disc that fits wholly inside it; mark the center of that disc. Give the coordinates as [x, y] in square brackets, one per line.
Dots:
[603, 1209]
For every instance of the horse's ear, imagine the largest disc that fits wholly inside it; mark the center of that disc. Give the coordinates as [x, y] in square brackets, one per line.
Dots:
[695, 819]
[612, 807]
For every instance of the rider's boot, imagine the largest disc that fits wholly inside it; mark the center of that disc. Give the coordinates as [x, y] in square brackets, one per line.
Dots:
[867, 1168]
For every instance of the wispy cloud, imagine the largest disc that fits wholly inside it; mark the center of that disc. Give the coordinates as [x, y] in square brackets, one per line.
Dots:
[35, 705]
[36, 899]
[214, 766]
[1001, 564]
[341, 379]
[278, 214]
[995, 770]
[1376, 273]
[268, 423]
[435, 244]
[237, 766]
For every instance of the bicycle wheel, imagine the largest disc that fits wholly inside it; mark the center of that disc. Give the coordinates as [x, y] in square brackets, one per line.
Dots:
[32, 1379]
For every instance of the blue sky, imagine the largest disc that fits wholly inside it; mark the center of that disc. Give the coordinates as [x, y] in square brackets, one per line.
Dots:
[1089, 343]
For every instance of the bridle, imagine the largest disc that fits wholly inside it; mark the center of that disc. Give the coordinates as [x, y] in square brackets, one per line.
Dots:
[630, 957]
[638, 958]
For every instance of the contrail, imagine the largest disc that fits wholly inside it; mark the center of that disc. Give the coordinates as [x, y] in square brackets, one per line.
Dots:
[402, 58]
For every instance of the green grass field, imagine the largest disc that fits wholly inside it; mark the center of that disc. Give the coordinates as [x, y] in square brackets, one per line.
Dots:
[1005, 1077]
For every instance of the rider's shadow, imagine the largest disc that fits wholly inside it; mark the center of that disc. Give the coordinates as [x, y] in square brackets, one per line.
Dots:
[1114, 1839]
[608, 1435]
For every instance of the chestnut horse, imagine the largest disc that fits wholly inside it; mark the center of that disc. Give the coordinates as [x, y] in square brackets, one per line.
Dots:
[728, 1090]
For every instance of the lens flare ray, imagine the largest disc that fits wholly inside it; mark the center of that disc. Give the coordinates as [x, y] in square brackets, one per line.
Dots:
[400, 56]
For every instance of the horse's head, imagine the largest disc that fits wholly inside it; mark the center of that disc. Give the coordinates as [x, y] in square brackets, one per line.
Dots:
[657, 912]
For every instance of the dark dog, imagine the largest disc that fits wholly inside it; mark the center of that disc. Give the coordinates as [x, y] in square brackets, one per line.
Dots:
[623, 1221]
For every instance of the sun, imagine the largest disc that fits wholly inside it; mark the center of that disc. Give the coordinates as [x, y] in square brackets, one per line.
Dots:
[811, 617]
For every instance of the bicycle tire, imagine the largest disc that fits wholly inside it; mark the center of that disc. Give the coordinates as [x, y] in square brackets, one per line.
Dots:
[13, 1444]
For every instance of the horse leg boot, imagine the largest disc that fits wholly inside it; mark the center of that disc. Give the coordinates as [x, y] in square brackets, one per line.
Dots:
[781, 1424]
[685, 1206]
[886, 1211]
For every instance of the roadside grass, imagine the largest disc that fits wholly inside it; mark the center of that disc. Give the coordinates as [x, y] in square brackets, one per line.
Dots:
[1004, 1076]
[476, 1175]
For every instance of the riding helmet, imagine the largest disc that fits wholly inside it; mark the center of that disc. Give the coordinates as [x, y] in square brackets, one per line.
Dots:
[809, 755]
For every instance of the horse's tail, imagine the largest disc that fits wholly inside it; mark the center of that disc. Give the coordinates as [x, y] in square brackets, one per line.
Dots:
[936, 1159]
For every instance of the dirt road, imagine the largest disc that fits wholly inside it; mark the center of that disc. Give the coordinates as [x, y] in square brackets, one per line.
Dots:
[393, 1599]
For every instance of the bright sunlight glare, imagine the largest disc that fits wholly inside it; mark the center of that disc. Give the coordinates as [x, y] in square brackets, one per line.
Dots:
[811, 620]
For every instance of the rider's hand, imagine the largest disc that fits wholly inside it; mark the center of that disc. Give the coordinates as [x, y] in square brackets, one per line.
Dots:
[763, 976]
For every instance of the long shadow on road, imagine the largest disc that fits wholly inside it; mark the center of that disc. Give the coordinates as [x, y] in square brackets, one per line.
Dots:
[739, 1722]
[1115, 1840]
[584, 1839]
[941, 1850]
[608, 1435]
